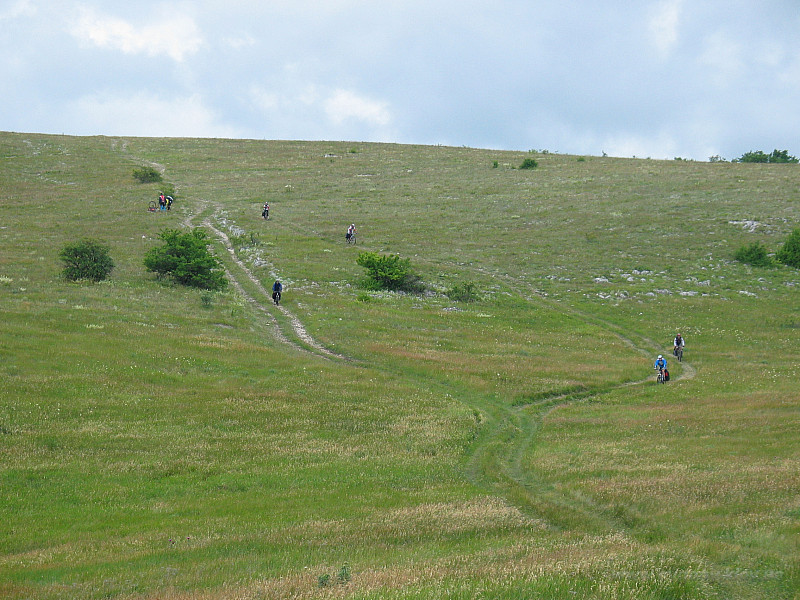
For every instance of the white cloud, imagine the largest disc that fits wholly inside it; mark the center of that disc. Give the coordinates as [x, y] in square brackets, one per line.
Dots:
[664, 23]
[240, 41]
[172, 34]
[144, 114]
[722, 58]
[19, 8]
[344, 105]
[660, 146]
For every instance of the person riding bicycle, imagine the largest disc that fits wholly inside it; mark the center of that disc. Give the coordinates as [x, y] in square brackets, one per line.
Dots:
[678, 342]
[351, 232]
[277, 288]
[265, 210]
[660, 364]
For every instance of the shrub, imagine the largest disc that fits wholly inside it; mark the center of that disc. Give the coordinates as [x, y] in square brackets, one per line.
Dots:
[343, 576]
[86, 259]
[185, 257]
[146, 175]
[463, 292]
[529, 163]
[776, 156]
[207, 299]
[389, 272]
[789, 253]
[753, 254]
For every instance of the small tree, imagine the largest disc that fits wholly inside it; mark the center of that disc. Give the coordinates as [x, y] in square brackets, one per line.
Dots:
[529, 163]
[146, 175]
[86, 259]
[389, 272]
[753, 254]
[185, 257]
[789, 253]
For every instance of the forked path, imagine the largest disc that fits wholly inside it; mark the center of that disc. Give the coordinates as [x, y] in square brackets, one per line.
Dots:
[500, 459]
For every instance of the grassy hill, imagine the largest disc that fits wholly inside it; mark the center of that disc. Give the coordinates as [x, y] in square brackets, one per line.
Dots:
[163, 442]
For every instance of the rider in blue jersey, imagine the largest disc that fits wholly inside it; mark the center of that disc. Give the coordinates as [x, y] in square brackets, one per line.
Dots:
[660, 364]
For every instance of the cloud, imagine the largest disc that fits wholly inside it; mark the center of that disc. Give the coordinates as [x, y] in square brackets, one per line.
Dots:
[297, 108]
[144, 114]
[663, 25]
[240, 41]
[344, 105]
[659, 145]
[172, 34]
[722, 59]
[17, 9]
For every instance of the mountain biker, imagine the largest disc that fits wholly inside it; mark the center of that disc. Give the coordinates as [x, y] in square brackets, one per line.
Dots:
[661, 364]
[277, 288]
[351, 232]
[265, 211]
[678, 342]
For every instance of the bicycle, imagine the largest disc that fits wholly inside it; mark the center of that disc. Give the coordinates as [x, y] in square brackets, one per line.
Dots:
[276, 297]
[350, 238]
[678, 352]
[660, 377]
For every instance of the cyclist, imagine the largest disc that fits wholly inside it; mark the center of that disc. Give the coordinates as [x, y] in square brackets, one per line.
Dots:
[277, 288]
[678, 343]
[265, 211]
[660, 365]
[350, 236]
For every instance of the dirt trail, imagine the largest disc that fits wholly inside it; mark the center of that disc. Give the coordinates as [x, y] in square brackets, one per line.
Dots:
[501, 459]
[265, 303]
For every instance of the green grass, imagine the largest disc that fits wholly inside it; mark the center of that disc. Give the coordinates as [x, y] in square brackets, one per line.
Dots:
[160, 442]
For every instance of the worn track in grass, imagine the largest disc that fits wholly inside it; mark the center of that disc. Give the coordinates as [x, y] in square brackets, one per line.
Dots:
[497, 461]
[279, 316]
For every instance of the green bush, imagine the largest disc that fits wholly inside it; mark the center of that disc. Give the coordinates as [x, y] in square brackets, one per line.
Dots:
[776, 156]
[86, 259]
[389, 272]
[185, 257]
[529, 163]
[463, 292]
[789, 253]
[343, 576]
[753, 254]
[146, 175]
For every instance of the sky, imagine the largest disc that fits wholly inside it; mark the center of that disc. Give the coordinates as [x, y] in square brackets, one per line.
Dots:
[645, 78]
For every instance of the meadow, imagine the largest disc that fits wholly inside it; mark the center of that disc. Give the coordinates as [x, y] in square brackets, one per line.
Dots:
[158, 441]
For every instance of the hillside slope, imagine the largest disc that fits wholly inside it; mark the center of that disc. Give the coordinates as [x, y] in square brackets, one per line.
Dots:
[159, 441]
